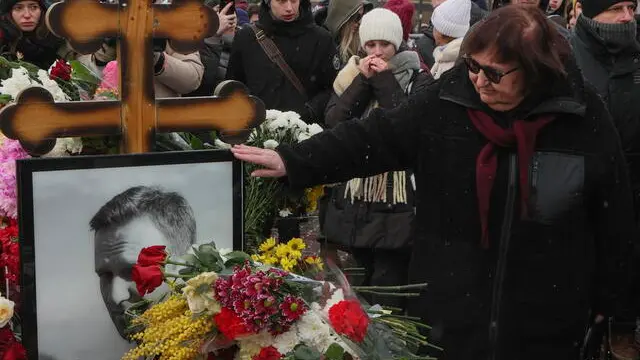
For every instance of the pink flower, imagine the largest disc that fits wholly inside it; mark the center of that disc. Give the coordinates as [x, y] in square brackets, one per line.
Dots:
[110, 76]
[10, 151]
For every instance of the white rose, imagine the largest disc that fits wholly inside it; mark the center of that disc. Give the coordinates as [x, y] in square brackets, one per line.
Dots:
[285, 213]
[270, 144]
[315, 129]
[6, 311]
[272, 114]
[303, 136]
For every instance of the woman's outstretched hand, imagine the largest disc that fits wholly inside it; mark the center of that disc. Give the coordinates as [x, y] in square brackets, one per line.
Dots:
[269, 159]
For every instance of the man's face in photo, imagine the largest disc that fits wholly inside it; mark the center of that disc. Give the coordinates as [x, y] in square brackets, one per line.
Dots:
[116, 251]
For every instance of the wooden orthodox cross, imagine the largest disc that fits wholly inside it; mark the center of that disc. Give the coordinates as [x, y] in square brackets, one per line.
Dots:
[36, 120]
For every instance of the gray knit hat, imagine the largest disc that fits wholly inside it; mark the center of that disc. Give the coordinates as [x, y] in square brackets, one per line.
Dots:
[339, 13]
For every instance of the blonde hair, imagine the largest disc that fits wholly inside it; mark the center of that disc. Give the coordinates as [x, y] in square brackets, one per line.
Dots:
[349, 40]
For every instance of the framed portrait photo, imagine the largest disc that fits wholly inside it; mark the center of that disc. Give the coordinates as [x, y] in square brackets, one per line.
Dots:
[83, 221]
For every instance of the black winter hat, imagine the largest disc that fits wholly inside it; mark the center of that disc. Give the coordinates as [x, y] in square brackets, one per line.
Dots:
[7, 5]
[591, 8]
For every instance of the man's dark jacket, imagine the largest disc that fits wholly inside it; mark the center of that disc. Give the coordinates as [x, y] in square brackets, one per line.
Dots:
[306, 47]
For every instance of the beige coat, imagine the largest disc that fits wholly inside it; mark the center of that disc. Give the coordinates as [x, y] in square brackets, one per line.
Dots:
[182, 74]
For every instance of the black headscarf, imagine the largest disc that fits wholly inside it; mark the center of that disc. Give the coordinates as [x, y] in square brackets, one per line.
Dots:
[278, 27]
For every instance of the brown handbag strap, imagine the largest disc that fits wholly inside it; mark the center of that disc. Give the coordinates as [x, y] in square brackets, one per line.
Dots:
[276, 57]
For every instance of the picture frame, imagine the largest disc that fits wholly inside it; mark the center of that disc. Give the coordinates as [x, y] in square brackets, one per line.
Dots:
[79, 216]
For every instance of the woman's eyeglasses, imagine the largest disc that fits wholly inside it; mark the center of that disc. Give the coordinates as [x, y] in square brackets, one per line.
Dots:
[493, 75]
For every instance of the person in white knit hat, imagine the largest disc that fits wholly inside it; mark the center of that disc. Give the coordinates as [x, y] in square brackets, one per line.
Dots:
[450, 24]
[372, 217]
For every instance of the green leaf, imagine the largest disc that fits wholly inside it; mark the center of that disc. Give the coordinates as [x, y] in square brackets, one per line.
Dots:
[304, 352]
[82, 73]
[236, 258]
[185, 271]
[196, 143]
[334, 352]
[190, 259]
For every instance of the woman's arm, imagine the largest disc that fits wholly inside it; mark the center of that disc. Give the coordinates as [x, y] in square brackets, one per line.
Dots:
[351, 104]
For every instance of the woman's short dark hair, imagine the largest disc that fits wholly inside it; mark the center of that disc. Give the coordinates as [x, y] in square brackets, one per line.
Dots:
[521, 34]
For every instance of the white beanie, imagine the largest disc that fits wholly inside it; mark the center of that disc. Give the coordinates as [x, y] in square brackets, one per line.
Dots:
[451, 18]
[381, 24]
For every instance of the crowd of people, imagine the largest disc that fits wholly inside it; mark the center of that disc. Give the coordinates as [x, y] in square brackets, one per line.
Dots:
[493, 151]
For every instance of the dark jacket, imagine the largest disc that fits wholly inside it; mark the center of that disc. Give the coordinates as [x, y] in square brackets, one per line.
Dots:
[307, 49]
[360, 224]
[617, 79]
[40, 51]
[528, 295]
[427, 43]
[210, 53]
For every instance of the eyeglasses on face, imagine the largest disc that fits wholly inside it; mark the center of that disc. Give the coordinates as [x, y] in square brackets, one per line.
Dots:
[492, 74]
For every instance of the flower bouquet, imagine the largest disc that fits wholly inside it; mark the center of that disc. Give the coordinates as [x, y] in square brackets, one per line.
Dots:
[229, 307]
[266, 198]
[288, 256]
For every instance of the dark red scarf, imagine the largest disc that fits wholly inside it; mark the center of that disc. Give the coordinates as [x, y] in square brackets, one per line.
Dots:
[523, 136]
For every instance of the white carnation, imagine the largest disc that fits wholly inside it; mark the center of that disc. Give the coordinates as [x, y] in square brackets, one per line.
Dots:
[270, 144]
[287, 341]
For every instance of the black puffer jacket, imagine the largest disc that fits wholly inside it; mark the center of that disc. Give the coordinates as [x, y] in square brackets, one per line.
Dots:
[360, 224]
[527, 296]
[307, 48]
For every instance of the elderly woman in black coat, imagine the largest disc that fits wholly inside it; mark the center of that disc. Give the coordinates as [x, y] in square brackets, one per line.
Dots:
[524, 214]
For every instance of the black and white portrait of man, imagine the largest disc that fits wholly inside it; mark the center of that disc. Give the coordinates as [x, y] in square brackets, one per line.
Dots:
[139, 217]
[89, 225]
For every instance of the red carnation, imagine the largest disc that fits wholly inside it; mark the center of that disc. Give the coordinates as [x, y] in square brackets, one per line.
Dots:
[15, 351]
[348, 318]
[268, 353]
[60, 70]
[147, 278]
[153, 255]
[230, 324]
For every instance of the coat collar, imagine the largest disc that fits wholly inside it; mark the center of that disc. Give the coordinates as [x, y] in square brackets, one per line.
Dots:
[563, 96]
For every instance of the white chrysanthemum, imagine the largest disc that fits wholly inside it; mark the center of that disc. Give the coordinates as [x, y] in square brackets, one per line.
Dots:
[18, 81]
[287, 341]
[51, 86]
[314, 332]
[270, 144]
